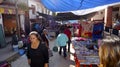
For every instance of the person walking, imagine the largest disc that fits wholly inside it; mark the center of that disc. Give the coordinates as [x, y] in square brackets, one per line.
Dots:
[68, 33]
[37, 52]
[62, 40]
[44, 37]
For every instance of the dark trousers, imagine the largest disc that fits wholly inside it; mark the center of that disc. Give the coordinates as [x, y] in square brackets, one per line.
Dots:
[64, 50]
[69, 41]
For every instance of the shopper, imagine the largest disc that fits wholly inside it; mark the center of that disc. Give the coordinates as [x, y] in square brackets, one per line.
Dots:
[37, 51]
[68, 33]
[109, 54]
[45, 38]
[62, 40]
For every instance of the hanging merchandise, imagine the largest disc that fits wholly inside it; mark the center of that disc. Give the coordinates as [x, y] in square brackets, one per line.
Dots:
[86, 29]
[98, 29]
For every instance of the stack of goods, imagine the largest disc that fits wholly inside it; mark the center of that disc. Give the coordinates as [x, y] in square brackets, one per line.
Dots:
[84, 52]
[86, 29]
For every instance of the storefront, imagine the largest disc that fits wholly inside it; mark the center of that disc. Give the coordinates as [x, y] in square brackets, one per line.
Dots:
[8, 22]
[6, 15]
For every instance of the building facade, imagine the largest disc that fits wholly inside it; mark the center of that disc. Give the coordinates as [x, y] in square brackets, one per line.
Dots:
[12, 17]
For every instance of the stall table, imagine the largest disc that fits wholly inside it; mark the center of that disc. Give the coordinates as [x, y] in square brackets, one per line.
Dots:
[83, 56]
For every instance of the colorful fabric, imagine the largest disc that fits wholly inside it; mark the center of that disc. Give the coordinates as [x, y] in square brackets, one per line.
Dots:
[87, 29]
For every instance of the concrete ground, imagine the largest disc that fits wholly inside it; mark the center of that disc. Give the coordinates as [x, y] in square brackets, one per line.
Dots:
[59, 61]
[7, 52]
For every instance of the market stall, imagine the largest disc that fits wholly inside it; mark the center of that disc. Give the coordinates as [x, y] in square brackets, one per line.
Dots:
[86, 52]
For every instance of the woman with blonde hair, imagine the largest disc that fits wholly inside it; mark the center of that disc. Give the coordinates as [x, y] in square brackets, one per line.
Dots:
[109, 54]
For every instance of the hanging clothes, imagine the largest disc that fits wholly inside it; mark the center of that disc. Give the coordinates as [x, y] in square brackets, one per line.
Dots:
[98, 29]
[86, 29]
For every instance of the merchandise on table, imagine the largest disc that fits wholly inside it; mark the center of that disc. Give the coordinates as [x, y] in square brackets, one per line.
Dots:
[86, 50]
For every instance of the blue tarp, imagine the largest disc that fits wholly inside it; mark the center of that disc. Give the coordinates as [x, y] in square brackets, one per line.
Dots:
[72, 5]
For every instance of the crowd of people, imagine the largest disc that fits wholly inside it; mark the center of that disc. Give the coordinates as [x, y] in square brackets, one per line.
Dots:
[38, 44]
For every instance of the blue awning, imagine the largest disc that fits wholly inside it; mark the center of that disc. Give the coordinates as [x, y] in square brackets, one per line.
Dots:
[72, 5]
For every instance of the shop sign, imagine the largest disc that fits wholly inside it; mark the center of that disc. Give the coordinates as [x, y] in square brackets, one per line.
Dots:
[7, 11]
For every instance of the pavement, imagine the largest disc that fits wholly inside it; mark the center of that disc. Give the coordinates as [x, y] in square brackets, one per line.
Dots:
[6, 53]
[59, 61]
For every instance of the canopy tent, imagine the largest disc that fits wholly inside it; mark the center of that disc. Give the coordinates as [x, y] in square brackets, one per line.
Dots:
[71, 16]
[73, 5]
[91, 10]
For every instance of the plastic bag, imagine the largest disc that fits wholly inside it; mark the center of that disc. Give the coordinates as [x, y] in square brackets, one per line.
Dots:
[20, 44]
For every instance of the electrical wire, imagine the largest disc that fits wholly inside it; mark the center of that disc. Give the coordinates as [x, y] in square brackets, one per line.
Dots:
[80, 4]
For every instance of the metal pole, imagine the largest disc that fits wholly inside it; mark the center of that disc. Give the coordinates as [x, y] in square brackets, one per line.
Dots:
[17, 18]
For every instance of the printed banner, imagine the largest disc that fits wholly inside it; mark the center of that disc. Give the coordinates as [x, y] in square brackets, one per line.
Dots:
[7, 11]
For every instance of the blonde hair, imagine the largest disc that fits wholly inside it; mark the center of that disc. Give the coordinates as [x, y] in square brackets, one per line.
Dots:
[109, 54]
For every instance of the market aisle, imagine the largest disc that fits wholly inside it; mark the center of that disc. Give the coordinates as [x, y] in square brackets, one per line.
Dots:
[60, 61]
[55, 61]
